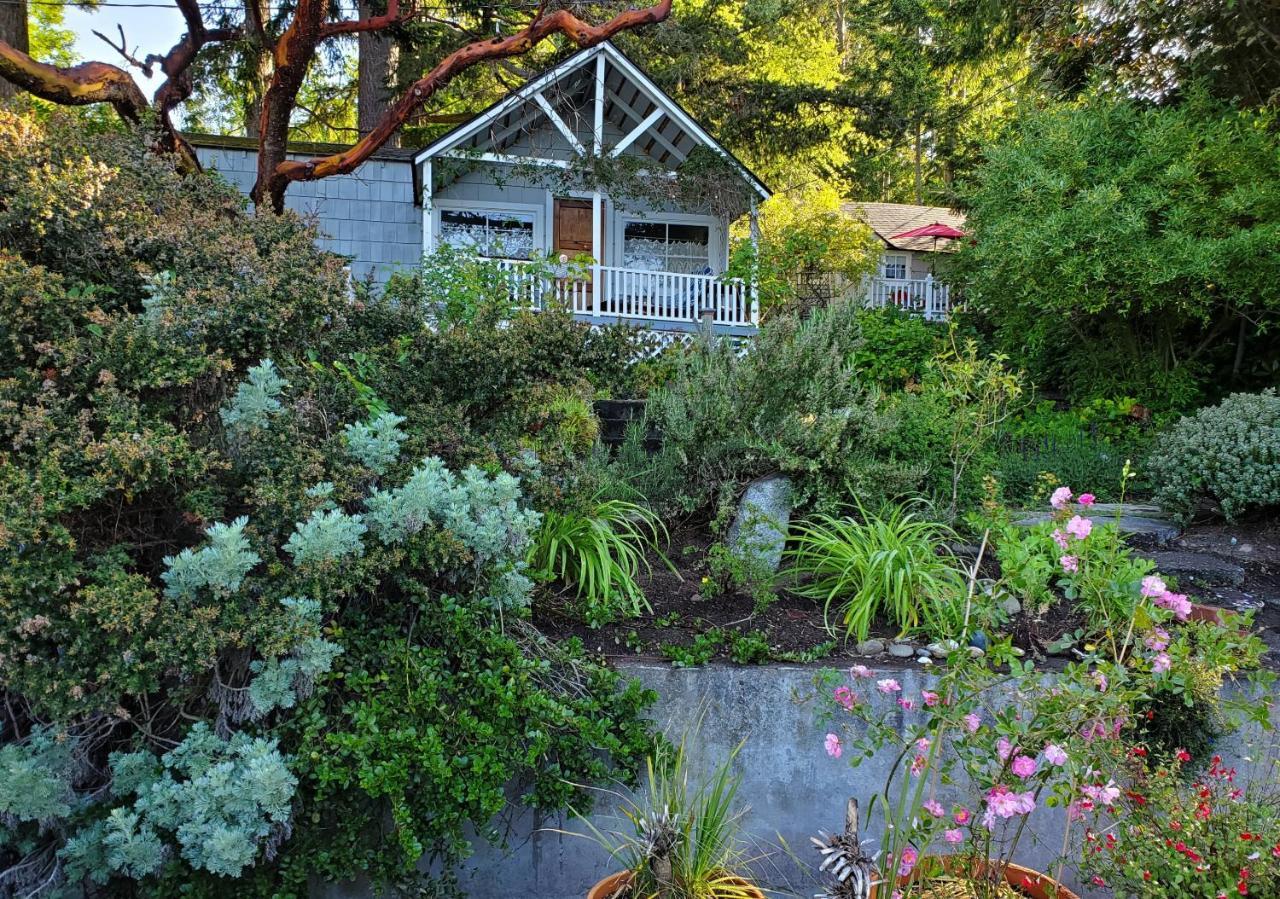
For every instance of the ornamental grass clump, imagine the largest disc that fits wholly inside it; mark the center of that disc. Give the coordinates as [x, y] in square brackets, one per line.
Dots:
[599, 553]
[683, 835]
[891, 565]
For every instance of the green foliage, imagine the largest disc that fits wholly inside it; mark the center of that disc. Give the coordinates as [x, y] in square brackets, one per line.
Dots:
[1123, 249]
[1228, 454]
[701, 649]
[792, 404]
[896, 347]
[220, 566]
[598, 553]
[749, 648]
[809, 250]
[746, 571]
[891, 564]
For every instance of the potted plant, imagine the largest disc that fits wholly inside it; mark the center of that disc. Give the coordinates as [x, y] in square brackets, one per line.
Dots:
[681, 839]
[991, 739]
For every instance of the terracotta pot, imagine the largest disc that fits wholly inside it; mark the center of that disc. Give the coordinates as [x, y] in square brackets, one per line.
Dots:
[1031, 883]
[609, 887]
[1213, 614]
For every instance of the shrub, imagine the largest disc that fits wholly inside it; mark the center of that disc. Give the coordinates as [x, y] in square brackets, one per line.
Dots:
[896, 347]
[1228, 454]
[888, 564]
[246, 565]
[791, 403]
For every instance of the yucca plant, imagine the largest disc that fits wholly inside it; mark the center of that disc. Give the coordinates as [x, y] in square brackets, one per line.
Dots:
[684, 836]
[599, 554]
[891, 564]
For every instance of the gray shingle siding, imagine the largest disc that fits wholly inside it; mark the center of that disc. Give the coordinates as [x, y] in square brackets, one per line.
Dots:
[368, 216]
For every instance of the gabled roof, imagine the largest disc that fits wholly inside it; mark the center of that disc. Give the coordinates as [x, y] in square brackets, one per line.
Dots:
[888, 219]
[634, 102]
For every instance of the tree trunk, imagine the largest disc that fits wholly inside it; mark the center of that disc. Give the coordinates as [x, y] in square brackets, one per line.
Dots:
[13, 31]
[379, 59]
[257, 64]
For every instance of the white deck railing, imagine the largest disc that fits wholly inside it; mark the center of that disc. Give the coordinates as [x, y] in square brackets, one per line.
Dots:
[922, 296]
[646, 296]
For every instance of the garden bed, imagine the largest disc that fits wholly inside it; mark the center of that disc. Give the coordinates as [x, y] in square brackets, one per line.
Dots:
[688, 628]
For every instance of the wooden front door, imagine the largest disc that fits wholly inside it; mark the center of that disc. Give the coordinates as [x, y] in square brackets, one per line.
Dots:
[573, 228]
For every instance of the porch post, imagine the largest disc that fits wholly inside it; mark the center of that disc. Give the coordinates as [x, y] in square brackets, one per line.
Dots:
[753, 289]
[428, 237]
[597, 220]
[597, 205]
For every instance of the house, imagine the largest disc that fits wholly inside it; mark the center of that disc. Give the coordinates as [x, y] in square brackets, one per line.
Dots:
[585, 162]
[912, 272]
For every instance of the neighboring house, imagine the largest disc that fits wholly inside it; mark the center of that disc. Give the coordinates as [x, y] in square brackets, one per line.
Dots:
[508, 185]
[912, 272]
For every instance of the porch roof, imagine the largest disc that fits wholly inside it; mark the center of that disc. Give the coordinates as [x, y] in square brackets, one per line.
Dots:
[888, 219]
[574, 100]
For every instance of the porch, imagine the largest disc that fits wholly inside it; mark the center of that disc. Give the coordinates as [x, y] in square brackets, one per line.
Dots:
[657, 300]
[926, 297]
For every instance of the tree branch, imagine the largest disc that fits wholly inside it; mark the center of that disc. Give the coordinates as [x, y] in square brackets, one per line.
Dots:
[539, 29]
[373, 23]
[82, 85]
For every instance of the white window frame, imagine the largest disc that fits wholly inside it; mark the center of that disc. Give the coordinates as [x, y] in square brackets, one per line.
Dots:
[717, 252]
[906, 266]
[537, 212]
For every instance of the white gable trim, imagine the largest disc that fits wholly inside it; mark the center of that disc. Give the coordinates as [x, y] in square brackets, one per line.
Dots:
[531, 91]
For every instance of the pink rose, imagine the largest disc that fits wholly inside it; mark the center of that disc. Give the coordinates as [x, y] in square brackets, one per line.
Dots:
[844, 698]
[1161, 663]
[954, 835]
[1152, 586]
[1085, 499]
[923, 744]
[906, 704]
[1060, 539]
[918, 764]
[1157, 640]
[1004, 748]
[1105, 795]
[1070, 564]
[1176, 603]
[1004, 803]
[860, 671]
[888, 685]
[1079, 527]
[834, 749]
[972, 722]
[908, 861]
[1054, 754]
[930, 698]
[1023, 766]
[1060, 497]
[962, 816]
[933, 807]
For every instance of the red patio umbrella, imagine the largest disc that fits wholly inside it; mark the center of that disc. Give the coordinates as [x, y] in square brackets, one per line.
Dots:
[936, 230]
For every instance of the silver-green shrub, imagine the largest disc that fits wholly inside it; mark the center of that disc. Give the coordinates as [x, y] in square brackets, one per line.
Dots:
[326, 537]
[375, 445]
[1228, 454]
[257, 399]
[220, 566]
[218, 802]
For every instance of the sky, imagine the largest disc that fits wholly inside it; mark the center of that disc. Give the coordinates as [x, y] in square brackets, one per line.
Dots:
[150, 29]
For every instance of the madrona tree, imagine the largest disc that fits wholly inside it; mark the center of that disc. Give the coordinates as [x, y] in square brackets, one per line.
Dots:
[289, 45]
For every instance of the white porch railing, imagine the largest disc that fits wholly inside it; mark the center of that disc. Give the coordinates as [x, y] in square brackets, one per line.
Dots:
[636, 295]
[921, 296]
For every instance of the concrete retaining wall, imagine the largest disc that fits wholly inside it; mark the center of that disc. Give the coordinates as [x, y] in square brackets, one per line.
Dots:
[792, 788]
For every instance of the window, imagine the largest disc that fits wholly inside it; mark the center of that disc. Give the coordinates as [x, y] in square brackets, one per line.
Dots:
[667, 247]
[893, 266]
[505, 235]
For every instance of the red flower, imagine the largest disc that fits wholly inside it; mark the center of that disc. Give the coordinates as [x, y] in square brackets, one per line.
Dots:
[1146, 875]
[1183, 755]
[1098, 881]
